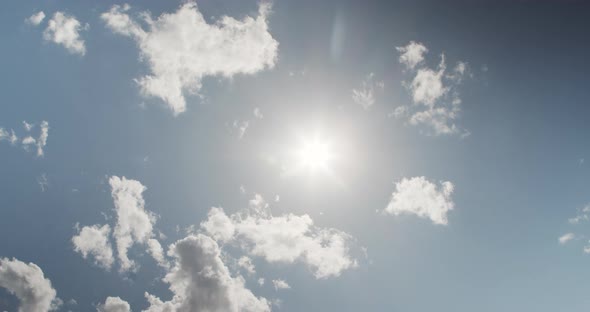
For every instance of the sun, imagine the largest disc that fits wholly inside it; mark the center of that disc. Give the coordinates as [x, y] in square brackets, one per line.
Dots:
[315, 154]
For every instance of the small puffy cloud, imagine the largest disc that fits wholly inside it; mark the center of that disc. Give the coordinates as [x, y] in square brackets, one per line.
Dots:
[65, 30]
[258, 113]
[181, 48]
[94, 241]
[423, 198]
[200, 281]
[563, 239]
[218, 225]
[280, 284]
[583, 215]
[28, 283]
[436, 103]
[365, 94]
[42, 140]
[114, 304]
[246, 264]
[283, 239]
[28, 126]
[412, 54]
[36, 18]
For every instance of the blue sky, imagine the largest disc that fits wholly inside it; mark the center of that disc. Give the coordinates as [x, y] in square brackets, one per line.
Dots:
[294, 156]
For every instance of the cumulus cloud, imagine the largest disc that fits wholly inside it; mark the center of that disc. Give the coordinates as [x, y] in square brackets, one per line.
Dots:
[42, 140]
[28, 283]
[412, 54]
[181, 48]
[36, 18]
[436, 103]
[284, 239]
[114, 304]
[65, 30]
[94, 241]
[563, 239]
[280, 284]
[365, 94]
[134, 225]
[423, 198]
[200, 281]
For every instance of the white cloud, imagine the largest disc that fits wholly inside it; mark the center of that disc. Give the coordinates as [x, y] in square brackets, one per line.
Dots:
[284, 239]
[200, 281]
[365, 94]
[261, 281]
[114, 304]
[241, 127]
[134, 223]
[36, 18]
[65, 30]
[28, 126]
[563, 239]
[42, 140]
[181, 48]
[28, 283]
[218, 225]
[423, 198]
[280, 284]
[412, 54]
[94, 241]
[436, 101]
[258, 113]
[246, 264]
[43, 182]
[582, 215]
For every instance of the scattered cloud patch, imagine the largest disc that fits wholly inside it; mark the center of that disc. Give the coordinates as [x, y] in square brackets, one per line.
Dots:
[29, 143]
[36, 18]
[280, 284]
[365, 94]
[199, 49]
[28, 283]
[563, 239]
[283, 239]
[423, 198]
[436, 102]
[64, 30]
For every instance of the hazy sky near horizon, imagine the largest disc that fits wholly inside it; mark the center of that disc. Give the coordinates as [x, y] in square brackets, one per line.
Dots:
[239, 155]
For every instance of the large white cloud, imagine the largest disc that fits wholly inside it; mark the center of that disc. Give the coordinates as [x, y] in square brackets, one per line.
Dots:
[181, 48]
[200, 281]
[288, 238]
[28, 283]
[65, 30]
[94, 241]
[436, 103]
[423, 198]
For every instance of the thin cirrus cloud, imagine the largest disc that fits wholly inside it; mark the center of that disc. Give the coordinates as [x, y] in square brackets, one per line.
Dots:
[423, 198]
[27, 282]
[226, 48]
[365, 94]
[436, 102]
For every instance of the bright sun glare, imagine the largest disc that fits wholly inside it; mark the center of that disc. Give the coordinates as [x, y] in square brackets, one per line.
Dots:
[315, 154]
